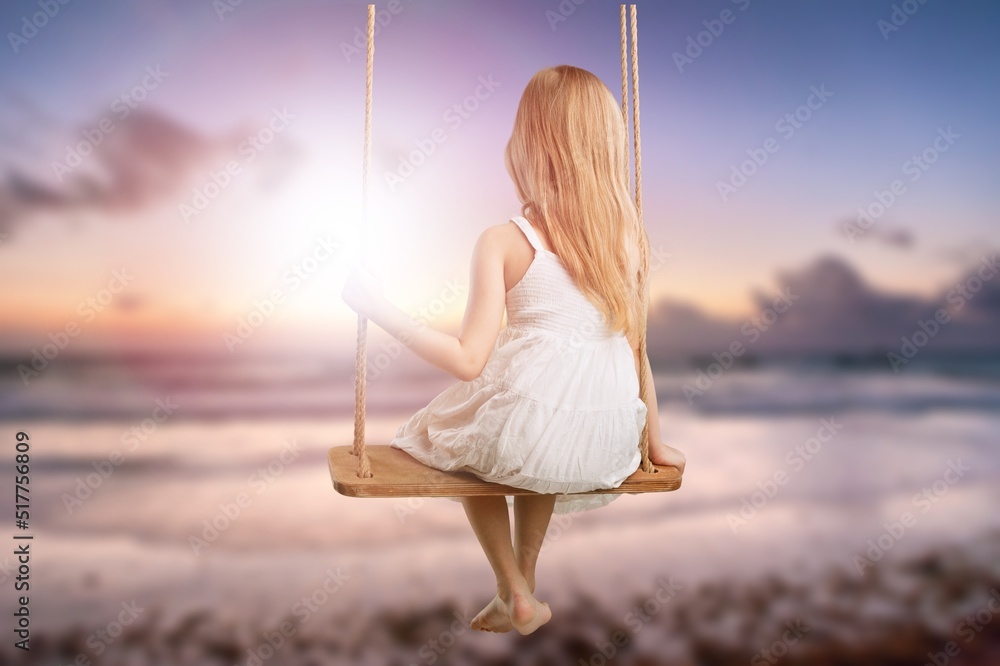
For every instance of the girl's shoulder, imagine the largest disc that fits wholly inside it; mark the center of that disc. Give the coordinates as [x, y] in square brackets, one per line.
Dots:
[509, 235]
[502, 236]
[497, 243]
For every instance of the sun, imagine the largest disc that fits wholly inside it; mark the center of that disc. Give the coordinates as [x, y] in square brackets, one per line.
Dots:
[320, 205]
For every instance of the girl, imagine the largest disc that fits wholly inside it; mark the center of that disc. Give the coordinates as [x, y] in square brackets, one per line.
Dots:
[551, 401]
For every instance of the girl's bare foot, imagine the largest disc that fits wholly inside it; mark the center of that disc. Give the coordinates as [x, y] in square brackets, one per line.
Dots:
[526, 613]
[664, 454]
[515, 610]
[493, 618]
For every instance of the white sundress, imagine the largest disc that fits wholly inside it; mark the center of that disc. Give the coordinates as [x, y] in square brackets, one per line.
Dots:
[556, 408]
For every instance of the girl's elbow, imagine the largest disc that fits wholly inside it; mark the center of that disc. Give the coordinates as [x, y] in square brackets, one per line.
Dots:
[470, 369]
[467, 374]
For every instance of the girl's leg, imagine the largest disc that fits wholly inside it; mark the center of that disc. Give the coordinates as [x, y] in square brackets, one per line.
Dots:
[531, 520]
[491, 524]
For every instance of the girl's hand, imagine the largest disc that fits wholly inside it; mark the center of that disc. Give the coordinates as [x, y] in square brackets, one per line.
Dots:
[666, 455]
[362, 291]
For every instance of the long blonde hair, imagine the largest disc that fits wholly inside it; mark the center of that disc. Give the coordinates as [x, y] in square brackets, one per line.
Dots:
[568, 158]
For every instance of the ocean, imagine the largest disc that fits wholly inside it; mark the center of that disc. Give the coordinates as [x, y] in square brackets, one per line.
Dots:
[182, 512]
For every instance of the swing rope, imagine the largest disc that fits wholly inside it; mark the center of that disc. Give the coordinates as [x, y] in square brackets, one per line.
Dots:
[361, 360]
[646, 465]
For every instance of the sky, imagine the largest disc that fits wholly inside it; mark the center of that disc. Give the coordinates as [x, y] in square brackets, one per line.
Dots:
[222, 177]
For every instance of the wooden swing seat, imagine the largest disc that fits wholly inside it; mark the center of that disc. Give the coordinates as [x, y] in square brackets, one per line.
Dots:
[396, 473]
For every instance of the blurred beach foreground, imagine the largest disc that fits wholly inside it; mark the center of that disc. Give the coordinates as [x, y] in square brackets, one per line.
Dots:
[832, 513]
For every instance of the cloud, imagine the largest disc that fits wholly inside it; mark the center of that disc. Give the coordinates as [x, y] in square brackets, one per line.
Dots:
[146, 159]
[893, 236]
[834, 311]
[901, 238]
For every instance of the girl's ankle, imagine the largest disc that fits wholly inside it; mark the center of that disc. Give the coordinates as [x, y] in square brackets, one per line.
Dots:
[506, 592]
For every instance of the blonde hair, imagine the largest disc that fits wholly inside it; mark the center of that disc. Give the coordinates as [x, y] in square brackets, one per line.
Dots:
[568, 158]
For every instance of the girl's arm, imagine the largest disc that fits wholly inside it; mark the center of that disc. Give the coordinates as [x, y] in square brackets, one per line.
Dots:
[652, 409]
[642, 367]
[463, 356]
[659, 453]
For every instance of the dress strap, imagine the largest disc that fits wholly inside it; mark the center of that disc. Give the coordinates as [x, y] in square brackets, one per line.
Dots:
[529, 232]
